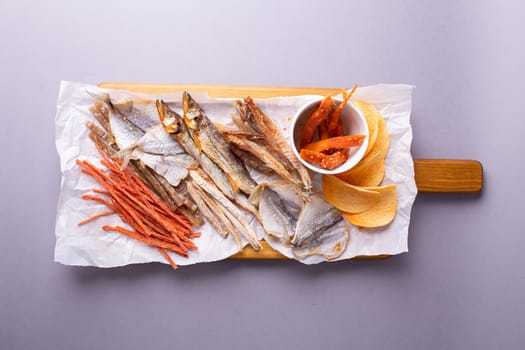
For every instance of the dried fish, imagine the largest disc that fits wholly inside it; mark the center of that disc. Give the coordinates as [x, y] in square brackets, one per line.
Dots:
[315, 217]
[174, 125]
[307, 224]
[264, 155]
[237, 218]
[257, 122]
[277, 220]
[251, 161]
[330, 245]
[106, 141]
[161, 153]
[140, 112]
[213, 213]
[210, 141]
[321, 230]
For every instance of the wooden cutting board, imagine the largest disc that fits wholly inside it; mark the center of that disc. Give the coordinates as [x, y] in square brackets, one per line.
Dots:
[431, 175]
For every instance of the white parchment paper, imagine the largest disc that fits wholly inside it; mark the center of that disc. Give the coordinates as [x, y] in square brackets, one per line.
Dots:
[89, 245]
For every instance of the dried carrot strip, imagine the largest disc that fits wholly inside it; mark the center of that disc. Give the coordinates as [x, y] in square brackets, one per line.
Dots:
[167, 257]
[143, 203]
[333, 119]
[325, 161]
[94, 217]
[153, 221]
[149, 241]
[97, 199]
[316, 118]
[335, 143]
[149, 224]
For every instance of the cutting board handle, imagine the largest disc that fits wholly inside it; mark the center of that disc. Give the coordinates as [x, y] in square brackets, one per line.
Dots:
[448, 175]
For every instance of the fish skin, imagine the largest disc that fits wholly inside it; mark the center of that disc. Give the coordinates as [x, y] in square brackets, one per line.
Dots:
[142, 113]
[316, 216]
[173, 168]
[158, 141]
[210, 141]
[291, 196]
[177, 129]
[277, 220]
[124, 132]
[330, 245]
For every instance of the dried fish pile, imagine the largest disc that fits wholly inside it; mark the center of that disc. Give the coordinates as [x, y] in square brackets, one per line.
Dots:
[202, 170]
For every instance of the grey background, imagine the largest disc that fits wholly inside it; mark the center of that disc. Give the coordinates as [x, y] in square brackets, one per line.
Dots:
[461, 286]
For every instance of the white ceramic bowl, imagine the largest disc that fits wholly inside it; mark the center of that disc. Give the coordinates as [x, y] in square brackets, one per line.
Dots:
[353, 124]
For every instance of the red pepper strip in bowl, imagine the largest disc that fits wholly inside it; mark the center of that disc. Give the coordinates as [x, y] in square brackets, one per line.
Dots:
[315, 119]
[335, 143]
[325, 161]
[333, 119]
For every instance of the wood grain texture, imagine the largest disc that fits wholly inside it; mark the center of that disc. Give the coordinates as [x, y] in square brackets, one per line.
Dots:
[448, 175]
[221, 91]
[268, 253]
[431, 175]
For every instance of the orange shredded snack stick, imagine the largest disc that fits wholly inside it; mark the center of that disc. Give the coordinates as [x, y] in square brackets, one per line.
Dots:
[167, 257]
[149, 241]
[94, 217]
[97, 190]
[335, 143]
[315, 119]
[154, 223]
[333, 119]
[325, 161]
[88, 197]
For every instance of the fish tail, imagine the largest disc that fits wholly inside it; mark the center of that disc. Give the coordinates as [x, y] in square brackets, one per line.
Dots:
[102, 96]
[127, 154]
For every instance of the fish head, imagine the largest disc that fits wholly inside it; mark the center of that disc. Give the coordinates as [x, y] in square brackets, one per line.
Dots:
[193, 113]
[247, 115]
[170, 120]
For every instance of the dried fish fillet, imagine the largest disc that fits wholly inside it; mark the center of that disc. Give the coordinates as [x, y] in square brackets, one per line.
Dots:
[330, 245]
[307, 224]
[140, 112]
[277, 220]
[315, 217]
